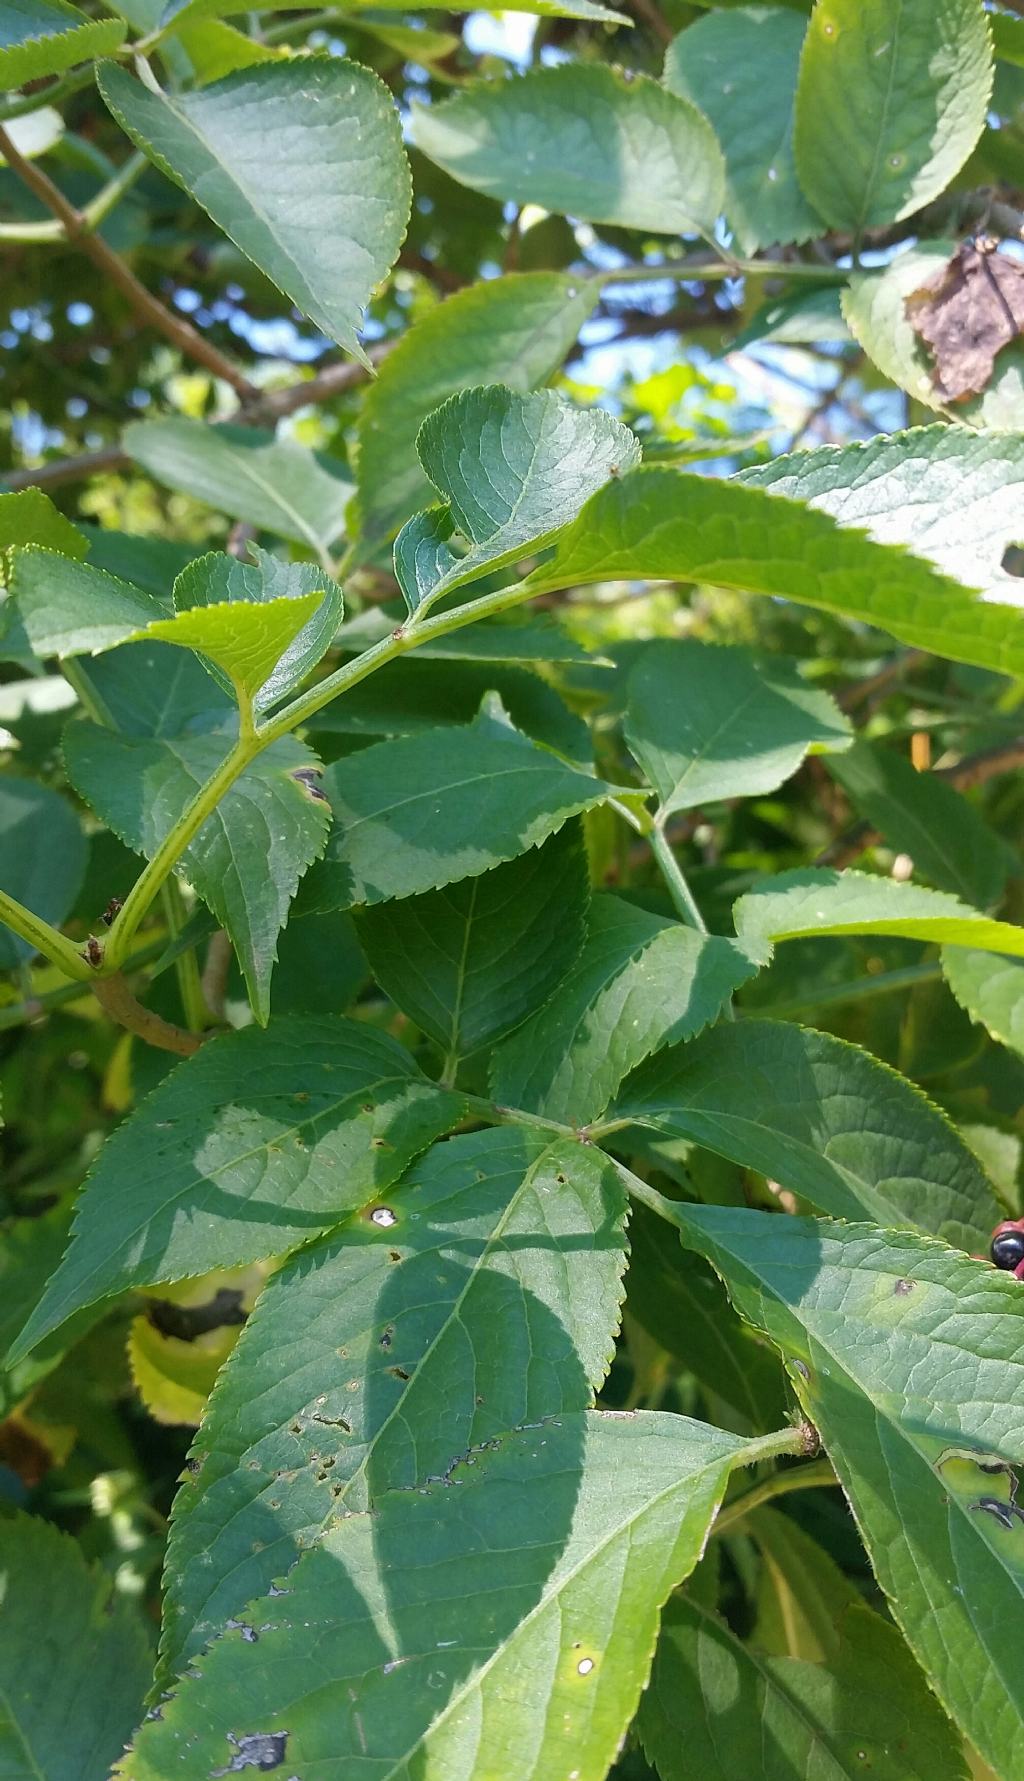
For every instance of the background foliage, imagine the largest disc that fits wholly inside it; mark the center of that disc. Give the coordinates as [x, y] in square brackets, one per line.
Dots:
[511, 1045]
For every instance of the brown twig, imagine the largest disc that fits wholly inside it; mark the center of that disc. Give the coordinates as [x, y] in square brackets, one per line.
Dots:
[116, 999]
[62, 470]
[648, 12]
[76, 228]
[334, 380]
[894, 669]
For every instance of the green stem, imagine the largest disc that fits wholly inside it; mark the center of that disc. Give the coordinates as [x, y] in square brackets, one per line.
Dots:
[61, 89]
[792, 1441]
[816, 1474]
[44, 939]
[17, 1014]
[643, 1191]
[100, 207]
[186, 966]
[249, 745]
[403, 639]
[171, 848]
[489, 1110]
[675, 880]
[703, 269]
[92, 213]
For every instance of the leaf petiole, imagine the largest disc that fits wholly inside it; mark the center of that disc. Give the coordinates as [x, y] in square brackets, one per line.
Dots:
[44, 938]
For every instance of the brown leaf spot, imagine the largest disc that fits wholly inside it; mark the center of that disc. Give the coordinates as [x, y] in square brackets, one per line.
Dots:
[967, 314]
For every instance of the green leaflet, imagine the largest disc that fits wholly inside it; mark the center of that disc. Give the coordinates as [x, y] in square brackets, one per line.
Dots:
[513, 641]
[822, 1118]
[718, 1709]
[925, 817]
[250, 853]
[662, 524]
[263, 624]
[29, 517]
[639, 983]
[324, 215]
[514, 330]
[817, 901]
[554, 9]
[248, 1148]
[155, 690]
[991, 989]
[600, 148]
[284, 591]
[418, 813]
[274, 483]
[69, 608]
[514, 471]
[379, 1353]
[74, 1662]
[245, 640]
[891, 100]
[949, 493]
[706, 721]
[471, 962]
[740, 68]
[414, 1634]
[42, 858]
[39, 37]
[869, 1322]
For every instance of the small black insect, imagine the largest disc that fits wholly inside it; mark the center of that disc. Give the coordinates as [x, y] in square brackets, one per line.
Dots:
[1007, 1247]
[113, 908]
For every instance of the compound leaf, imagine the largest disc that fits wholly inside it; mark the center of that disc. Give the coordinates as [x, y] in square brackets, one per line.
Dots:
[249, 855]
[422, 811]
[74, 1663]
[660, 524]
[284, 590]
[951, 494]
[514, 330]
[247, 474]
[719, 1709]
[991, 989]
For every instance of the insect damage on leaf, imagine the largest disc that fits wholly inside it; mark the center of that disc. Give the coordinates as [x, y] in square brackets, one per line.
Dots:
[967, 314]
[257, 1750]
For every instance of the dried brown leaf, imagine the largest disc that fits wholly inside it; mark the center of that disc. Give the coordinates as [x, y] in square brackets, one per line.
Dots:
[967, 314]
